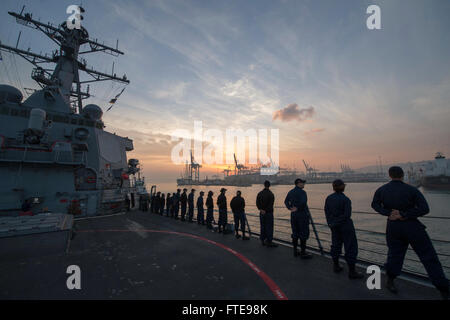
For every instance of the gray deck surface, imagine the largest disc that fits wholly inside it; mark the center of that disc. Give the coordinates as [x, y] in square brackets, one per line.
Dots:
[129, 263]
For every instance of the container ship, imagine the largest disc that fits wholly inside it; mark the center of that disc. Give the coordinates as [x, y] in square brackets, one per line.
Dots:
[437, 173]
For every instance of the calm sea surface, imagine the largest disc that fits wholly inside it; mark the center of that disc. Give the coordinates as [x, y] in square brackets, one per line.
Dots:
[372, 246]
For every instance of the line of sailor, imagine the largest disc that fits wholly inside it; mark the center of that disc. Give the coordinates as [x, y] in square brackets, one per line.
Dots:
[401, 203]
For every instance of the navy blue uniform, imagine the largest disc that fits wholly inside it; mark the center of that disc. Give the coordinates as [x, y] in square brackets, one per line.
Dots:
[200, 211]
[397, 195]
[191, 206]
[163, 203]
[222, 204]
[127, 203]
[152, 203]
[209, 211]
[157, 204]
[176, 204]
[338, 211]
[237, 205]
[264, 201]
[143, 205]
[183, 201]
[168, 205]
[299, 219]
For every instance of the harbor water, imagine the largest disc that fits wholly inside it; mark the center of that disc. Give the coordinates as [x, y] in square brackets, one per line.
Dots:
[369, 225]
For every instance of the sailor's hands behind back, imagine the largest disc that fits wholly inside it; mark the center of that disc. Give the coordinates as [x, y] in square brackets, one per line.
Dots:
[395, 215]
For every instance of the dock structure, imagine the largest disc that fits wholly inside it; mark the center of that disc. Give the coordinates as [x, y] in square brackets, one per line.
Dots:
[247, 176]
[139, 255]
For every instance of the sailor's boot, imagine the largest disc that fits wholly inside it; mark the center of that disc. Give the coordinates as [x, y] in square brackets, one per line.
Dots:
[336, 266]
[444, 292]
[353, 274]
[390, 285]
[303, 253]
[295, 244]
[271, 244]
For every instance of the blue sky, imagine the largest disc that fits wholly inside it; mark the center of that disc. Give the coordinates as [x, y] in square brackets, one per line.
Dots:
[234, 63]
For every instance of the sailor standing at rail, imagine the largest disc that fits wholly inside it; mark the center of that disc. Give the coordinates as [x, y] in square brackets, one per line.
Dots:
[296, 201]
[157, 202]
[152, 203]
[144, 202]
[209, 210]
[183, 201]
[264, 203]
[127, 202]
[176, 204]
[403, 204]
[163, 204]
[132, 200]
[168, 204]
[222, 204]
[338, 211]
[237, 205]
[140, 202]
[172, 205]
[191, 205]
[200, 209]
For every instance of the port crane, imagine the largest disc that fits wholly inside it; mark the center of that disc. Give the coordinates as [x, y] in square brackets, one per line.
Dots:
[238, 167]
[345, 169]
[192, 170]
[226, 172]
[310, 171]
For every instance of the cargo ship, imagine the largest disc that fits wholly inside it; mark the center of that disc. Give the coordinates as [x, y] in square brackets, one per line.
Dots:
[437, 173]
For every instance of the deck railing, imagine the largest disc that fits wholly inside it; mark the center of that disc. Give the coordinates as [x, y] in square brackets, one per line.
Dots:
[372, 248]
[371, 244]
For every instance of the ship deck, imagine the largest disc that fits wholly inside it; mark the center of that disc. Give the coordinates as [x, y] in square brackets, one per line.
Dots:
[139, 255]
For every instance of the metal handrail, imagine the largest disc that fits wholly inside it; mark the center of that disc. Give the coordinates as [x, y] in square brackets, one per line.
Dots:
[362, 249]
[364, 212]
[363, 240]
[359, 240]
[319, 248]
[357, 229]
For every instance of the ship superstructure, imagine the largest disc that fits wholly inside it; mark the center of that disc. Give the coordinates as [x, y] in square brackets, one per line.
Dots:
[54, 151]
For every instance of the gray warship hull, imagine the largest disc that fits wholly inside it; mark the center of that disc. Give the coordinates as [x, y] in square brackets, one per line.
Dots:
[63, 174]
[56, 160]
[55, 156]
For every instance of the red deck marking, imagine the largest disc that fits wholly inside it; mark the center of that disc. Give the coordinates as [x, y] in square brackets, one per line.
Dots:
[279, 294]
